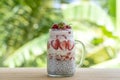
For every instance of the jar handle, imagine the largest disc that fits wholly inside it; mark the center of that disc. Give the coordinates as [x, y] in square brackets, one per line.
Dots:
[82, 53]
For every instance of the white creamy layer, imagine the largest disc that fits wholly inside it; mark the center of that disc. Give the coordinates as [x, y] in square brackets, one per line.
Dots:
[61, 36]
[67, 33]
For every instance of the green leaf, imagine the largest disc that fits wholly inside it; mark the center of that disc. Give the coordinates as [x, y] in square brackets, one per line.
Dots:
[86, 11]
[28, 52]
[112, 7]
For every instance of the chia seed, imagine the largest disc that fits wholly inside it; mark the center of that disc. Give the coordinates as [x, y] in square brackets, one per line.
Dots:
[65, 67]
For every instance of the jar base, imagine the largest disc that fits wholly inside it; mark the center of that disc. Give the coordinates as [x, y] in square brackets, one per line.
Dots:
[64, 75]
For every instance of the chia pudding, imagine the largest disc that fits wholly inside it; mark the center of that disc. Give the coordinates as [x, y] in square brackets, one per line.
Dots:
[60, 51]
[64, 68]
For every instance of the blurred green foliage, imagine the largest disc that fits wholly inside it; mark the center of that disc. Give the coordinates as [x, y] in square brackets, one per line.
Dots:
[24, 26]
[89, 16]
[22, 21]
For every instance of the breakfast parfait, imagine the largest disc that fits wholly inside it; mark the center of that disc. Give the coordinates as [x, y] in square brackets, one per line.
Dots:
[60, 51]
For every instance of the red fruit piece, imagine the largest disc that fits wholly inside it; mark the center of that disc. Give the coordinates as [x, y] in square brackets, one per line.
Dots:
[70, 45]
[55, 44]
[67, 57]
[68, 27]
[55, 26]
[63, 45]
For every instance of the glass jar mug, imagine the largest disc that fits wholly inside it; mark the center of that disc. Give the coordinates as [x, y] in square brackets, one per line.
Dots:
[61, 53]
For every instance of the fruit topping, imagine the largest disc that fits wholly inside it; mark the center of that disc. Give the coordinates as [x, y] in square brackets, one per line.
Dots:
[61, 26]
[55, 44]
[55, 26]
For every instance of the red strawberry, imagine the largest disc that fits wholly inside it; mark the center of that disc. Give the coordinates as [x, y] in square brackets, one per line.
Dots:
[55, 44]
[63, 45]
[70, 45]
[61, 25]
[68, 27]
[55, 26]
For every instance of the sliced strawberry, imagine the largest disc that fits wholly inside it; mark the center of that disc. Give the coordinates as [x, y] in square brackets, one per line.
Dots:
[63, 45]
[70, 45]
[55, 44]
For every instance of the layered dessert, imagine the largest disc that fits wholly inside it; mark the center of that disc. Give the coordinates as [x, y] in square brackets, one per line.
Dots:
[61, 53]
